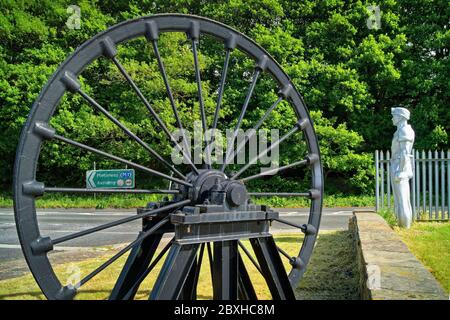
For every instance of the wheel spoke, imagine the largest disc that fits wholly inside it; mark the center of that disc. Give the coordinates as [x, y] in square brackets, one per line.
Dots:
[200, 94]
[120, 221]
[150, 109]
[122, 252]
[255, 129]
[297, 127]
[140, 95]
[219, 99]
[106, 190]
[128, 132]
[268, 112]
[252, 259]
[280, 194]
[312, 194]
[221, 88]
[148, 270]
[199, 84]
[162, 69]
[276, 170]
[113, 157]
[292, 224]
[256, 74]
[284, 253]
[72, 83]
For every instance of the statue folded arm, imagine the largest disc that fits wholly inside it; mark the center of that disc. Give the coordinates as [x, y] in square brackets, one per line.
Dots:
[405, 141]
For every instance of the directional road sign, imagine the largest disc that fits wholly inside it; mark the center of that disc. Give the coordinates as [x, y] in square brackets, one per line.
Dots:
[116, 178]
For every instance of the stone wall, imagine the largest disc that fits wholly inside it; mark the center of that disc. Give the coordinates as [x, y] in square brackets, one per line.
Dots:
[389, 271]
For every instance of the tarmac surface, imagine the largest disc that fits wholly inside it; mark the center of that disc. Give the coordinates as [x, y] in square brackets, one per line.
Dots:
[60, 222]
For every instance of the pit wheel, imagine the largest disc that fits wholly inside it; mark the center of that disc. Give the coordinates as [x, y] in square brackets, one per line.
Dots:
[207, 208]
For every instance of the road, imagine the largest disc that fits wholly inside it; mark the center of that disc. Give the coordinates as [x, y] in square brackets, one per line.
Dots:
[56, 223]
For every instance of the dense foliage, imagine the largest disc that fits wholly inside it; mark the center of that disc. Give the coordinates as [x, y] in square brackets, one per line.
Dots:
[349, 74]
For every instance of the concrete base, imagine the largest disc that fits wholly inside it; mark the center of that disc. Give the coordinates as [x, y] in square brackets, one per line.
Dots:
[389, 271]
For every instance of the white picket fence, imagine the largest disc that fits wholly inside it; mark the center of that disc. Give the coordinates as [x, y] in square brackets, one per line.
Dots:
[430, 185]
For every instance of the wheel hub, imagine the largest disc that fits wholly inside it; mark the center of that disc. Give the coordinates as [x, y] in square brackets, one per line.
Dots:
[213, 186]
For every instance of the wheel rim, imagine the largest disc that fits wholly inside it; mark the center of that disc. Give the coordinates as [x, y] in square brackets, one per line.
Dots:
[34, 245]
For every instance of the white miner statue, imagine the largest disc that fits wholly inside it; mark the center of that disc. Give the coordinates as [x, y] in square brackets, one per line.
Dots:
[402, 166]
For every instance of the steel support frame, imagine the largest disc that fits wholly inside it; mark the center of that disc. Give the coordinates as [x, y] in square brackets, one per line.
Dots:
[196, 227]
[225, 270]
[138, 259]
[272, 267]
[175, 272]
[231, 281]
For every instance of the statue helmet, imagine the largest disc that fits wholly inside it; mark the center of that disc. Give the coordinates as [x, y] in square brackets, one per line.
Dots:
[401, 112]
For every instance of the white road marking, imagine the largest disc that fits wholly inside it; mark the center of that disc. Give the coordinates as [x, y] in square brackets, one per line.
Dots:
[57, 248]
[101, 232]
[341, 213]
[52, 213]
[7, 224]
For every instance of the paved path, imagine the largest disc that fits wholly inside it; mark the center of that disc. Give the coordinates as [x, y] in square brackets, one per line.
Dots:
[59, 222]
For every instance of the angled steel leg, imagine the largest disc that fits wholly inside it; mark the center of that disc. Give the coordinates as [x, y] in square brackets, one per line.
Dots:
[245, 287]
[273, 269]
[189, 291]
[136, 264]
[225, 268]
[174, 272]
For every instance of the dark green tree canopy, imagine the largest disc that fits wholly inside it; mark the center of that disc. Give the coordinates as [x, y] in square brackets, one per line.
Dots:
[350, 76]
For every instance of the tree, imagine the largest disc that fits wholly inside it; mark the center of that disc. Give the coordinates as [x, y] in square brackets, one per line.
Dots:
[350, 76]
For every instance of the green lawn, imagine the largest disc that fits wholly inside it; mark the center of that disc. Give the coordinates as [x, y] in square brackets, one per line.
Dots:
[430, 243]
[133, 201]
[332, 273]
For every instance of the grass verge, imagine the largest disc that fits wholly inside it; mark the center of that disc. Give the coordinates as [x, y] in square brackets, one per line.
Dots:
[132, 201]
[388, 216]
[331, 274]
[430, 243]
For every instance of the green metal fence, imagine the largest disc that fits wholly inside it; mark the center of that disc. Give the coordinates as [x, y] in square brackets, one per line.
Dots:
[430, 185]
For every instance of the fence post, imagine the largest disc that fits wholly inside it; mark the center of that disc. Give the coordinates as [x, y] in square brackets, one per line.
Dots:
[448, 184]
[436, 184]
[382, 177]
[424, 182]
[388, 170]
[442, 163]
[413, 185]
[430, 183]
[377, 190]
[417, 175]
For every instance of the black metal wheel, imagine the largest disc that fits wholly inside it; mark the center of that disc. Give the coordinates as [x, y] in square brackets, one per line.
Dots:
[207, 208]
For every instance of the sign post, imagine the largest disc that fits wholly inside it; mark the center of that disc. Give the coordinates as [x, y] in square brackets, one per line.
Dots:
[115, 178]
